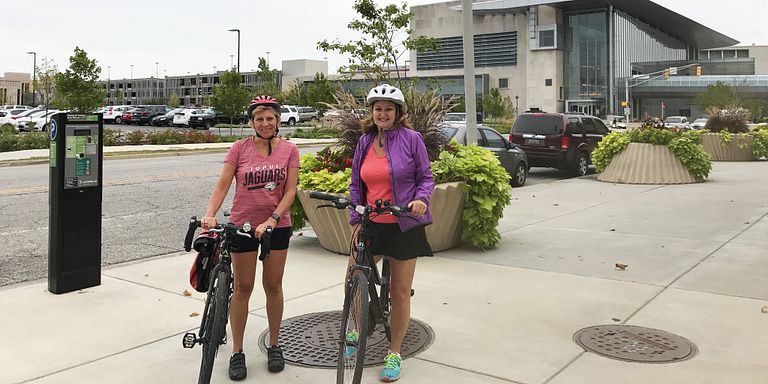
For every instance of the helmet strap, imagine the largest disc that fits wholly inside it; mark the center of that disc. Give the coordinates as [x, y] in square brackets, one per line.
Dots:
[269, 141]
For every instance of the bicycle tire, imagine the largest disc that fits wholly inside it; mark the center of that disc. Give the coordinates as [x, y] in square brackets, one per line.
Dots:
[215, 323]
[356, 302]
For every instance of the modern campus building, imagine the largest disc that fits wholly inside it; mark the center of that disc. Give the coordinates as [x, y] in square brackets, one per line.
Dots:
[14, 88]
[576, 55]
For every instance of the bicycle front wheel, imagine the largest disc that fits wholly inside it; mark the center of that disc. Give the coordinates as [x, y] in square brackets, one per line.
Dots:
[215, 326]
[354, 331]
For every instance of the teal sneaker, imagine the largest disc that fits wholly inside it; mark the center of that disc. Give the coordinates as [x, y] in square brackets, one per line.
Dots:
[391, 371]
[352, 337]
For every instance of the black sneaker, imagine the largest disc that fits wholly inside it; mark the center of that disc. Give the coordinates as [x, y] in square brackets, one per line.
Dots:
[275, 361]
[237, 370]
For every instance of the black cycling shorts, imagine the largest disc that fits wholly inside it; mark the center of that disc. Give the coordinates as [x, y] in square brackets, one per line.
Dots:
[278, 241]
[388, 240]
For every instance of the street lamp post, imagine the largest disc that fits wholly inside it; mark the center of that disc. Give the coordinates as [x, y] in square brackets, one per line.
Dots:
[34, 75]
[130, 93]
[267, 59]
[517, 108]
[238, 47]
[157, 83]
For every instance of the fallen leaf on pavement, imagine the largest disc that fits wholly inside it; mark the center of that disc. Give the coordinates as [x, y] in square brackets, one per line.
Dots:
[765, 309]
[194, 314]
[300, 234]
[187, 293]
[613, 229]
[616, 319]
[621, 266]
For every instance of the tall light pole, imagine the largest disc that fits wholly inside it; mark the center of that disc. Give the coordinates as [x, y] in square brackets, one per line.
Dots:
[267, 59]
[109, 92]
[34, 75]
[470, 96]
[238, 47]
[157, 83]
[130, 94]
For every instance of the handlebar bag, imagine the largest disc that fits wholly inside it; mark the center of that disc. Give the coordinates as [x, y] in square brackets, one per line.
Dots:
[206, 258]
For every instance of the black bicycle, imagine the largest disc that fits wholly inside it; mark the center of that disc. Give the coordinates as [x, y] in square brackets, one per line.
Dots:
[213, 326]
[359, 318]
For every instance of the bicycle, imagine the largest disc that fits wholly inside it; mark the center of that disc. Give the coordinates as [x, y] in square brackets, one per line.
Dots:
[213, 326]
[358, 315]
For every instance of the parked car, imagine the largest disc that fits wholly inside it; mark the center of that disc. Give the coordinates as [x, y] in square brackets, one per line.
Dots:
[15, 107]
[460, 117]
[307, 114]
[616, 122]
[6, 115]
[181, 118]
[127, 117]
[699, 123]
[289, 115]
[42, 123]
[143, 114]
[512, 158]
[558, 140]
[39, 117]
[166, 119]
[206, 119]
[114, 114]
[680, 122]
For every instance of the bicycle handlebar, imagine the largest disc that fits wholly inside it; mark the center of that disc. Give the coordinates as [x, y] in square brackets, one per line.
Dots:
[341, 202]
[194, 223]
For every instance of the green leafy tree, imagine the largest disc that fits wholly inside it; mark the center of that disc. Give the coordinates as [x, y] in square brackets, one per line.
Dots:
[46, 81]
[718, 95]
[296, 94]
[231, 96]
[320, 92]
[76, 88]
[267, 84]
[493, 104]
[380, 47]
[119, 96]
[173, 101]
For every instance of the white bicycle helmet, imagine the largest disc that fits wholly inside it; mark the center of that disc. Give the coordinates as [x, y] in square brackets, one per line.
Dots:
[386, 92]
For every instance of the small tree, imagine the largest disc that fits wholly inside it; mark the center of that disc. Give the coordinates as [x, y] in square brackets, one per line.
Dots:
[267, 81]
[320, 92]
[718, 95]
[173, 101]
[379, 49]
[46, 81]
[231, 96]
[493, 104]
[76, 88]
[296, 94]
[119, 96]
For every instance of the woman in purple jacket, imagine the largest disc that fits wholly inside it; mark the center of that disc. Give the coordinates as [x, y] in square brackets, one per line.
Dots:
[391, 163]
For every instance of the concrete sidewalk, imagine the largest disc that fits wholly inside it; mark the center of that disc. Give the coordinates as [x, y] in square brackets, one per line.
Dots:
[697, 259]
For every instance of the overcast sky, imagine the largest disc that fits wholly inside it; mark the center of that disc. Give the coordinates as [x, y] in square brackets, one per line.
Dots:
[192, 36]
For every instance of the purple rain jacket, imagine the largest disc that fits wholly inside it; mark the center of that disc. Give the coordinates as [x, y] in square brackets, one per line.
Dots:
[410, 173]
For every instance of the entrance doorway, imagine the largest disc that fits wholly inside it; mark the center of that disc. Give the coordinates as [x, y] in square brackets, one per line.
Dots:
[587, 107]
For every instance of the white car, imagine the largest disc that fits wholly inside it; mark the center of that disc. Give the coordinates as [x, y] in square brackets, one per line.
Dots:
[680, 122]
[39, 118]
[43, 122]
[114, 113]
[181, 118]
[699, 123]
[289, 115]
[6, 115]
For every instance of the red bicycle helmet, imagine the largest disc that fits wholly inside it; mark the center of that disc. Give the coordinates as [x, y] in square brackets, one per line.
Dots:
[263, 101]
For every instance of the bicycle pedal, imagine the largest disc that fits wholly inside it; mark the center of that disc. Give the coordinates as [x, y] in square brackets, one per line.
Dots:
[189, 340]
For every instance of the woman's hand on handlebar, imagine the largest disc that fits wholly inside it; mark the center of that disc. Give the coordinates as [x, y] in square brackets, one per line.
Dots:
[208, 222]
[263, 227]
[418, 207]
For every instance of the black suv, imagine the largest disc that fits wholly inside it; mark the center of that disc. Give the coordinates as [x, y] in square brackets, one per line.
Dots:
[143, 114]
[558, 140]
[207, 119]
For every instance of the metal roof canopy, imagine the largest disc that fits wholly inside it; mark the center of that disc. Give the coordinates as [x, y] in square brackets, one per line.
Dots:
[663, 19]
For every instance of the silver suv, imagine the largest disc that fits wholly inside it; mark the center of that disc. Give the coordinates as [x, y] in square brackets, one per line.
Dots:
[307, 114]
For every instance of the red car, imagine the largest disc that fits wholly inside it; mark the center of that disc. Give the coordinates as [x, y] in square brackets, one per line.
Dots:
[127, 117]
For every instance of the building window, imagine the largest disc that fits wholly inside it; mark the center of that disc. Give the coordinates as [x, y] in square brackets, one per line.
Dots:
[491, 49]
[503, 83]
[547, 39]
[548, 82]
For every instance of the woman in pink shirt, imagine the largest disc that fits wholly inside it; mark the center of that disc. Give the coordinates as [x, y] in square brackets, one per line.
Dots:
[265, 168]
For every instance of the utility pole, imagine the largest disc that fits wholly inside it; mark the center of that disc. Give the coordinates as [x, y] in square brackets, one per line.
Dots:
[34, 76]
[470, 97]
[238, 47]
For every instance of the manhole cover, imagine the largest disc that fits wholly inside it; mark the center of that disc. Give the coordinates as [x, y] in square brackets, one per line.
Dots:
[312, 340]
[635, 344]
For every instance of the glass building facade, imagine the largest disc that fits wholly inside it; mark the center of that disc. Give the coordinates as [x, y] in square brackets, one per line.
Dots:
[600, 47]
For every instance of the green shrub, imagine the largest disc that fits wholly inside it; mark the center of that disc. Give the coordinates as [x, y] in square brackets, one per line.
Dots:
[692, 155]
[610, 146]
[33, 140]
[503, 125]
[733, 120]
[112, 137]
[8, 142]
[760, 145]
[8, 129]
[486, 190]
[135, 137]
[314, 133]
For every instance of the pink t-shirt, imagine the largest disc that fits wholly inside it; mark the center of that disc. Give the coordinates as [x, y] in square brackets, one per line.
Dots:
[375, 175]
[260, 181]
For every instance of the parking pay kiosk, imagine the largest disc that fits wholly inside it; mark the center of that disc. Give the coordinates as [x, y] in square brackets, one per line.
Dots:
[74, 239]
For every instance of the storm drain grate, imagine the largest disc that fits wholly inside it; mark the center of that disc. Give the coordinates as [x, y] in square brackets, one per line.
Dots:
[635, 344]
[312, 340]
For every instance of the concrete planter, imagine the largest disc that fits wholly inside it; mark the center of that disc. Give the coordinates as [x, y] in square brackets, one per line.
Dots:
[738, 149]
[643, 163]
[334, 232]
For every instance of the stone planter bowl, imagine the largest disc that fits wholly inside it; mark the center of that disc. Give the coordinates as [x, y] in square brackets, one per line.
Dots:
[642, 163]
[334, 232]
[738, 149]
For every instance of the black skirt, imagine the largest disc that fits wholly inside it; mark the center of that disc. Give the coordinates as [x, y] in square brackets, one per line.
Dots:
[388, 240]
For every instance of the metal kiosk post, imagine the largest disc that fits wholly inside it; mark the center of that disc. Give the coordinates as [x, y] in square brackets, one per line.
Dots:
[74, 236]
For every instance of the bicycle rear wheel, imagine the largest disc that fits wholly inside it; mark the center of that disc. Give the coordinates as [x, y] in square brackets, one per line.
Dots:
[215, 326]
[354, 319]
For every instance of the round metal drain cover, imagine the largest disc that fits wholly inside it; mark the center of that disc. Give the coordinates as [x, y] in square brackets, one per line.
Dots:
[312, 340]
[635, 344]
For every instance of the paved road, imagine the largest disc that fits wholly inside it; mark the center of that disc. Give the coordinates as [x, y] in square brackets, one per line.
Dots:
[215, 130]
